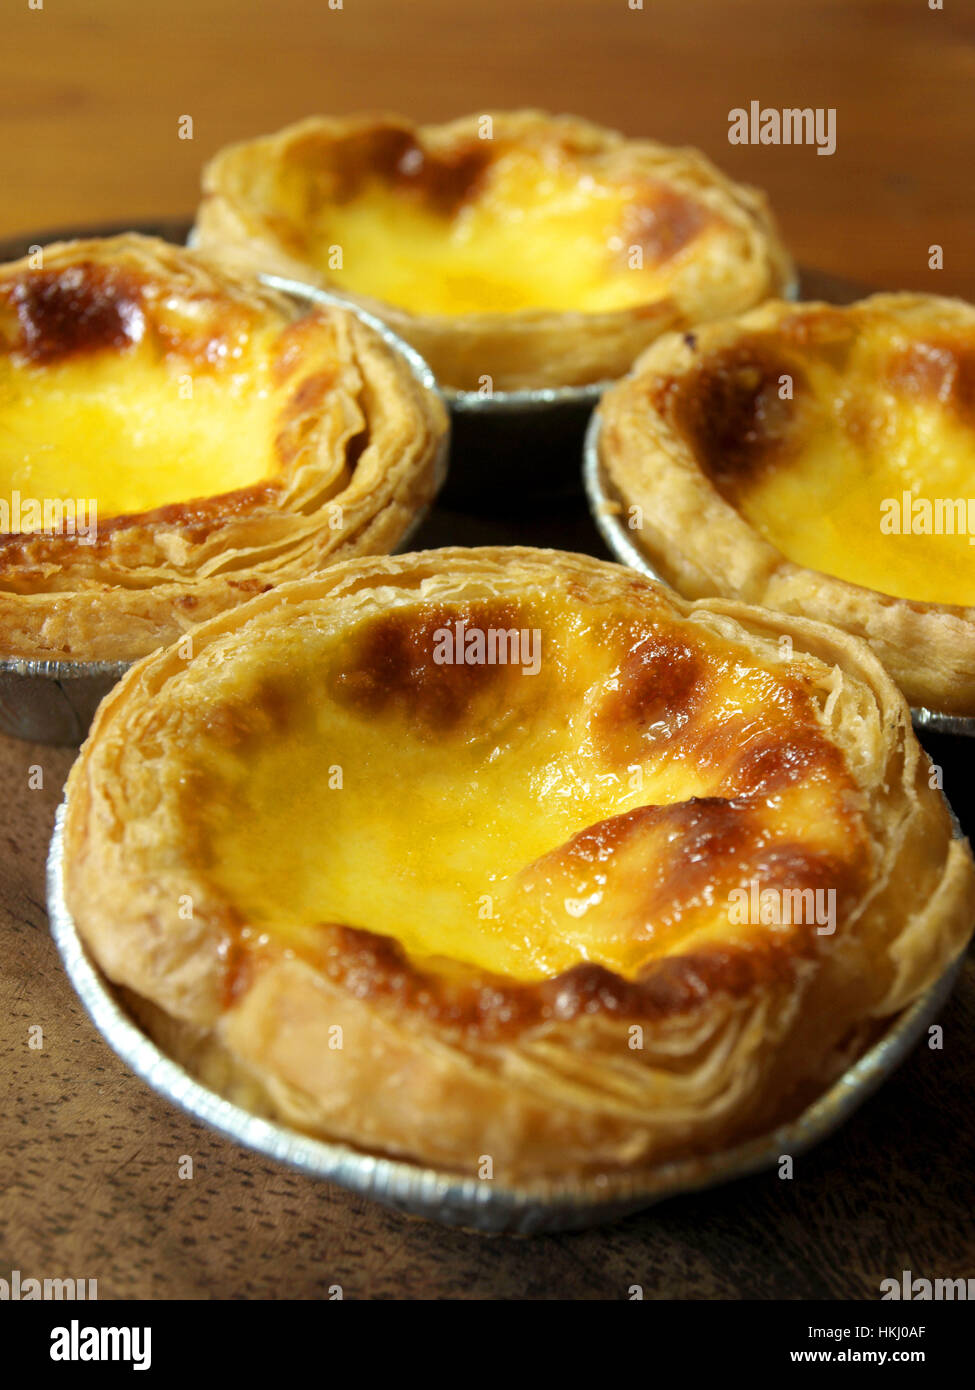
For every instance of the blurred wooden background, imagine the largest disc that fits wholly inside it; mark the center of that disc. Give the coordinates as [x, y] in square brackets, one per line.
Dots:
[91, 95]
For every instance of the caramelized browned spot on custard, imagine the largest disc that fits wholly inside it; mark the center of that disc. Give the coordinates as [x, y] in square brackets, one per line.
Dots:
[663, 224]
[703, 831]
[76, 309]
[273, 707]
[936, 371]
[493, 1008]
[778, 759]
[445, 179]
[390, 665]
[730, 410]
[662, 686]
[672, 856]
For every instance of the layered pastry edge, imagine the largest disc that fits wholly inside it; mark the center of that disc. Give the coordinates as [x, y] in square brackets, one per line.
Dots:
[354, 443]
[444, 1063]
[720, 236]
[677, 491]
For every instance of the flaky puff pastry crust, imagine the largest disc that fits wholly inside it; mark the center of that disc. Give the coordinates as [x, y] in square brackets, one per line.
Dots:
[713, 241]
[632, 1022]
[354, 443]
[700, 423]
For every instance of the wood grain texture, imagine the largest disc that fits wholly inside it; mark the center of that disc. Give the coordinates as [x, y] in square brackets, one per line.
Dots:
[91, 96]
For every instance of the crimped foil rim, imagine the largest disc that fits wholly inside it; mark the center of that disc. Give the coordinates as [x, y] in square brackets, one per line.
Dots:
[447, 1197]
[604, 509]
[61, 670]
[52, 701]
[528, 399]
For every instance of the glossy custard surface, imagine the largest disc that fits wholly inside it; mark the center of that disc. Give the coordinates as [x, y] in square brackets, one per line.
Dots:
[599, 809]
[114, 388]
[868, 471]
[516, 229]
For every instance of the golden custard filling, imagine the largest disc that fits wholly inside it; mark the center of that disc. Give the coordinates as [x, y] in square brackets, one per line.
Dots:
[128, 391]
[518, 231]
[868, 471]
[600, 807]
[132, 432]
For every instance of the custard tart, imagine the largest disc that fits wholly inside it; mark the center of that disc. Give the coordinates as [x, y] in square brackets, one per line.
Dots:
[175, 439]
[513, 250]
[511, 861]
[819, 461]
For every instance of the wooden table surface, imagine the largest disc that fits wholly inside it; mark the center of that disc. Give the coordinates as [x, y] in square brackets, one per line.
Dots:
[90, 98]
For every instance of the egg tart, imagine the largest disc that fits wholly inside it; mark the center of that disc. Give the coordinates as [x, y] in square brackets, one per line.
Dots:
[513, 250]
[466, 856]
[175, 439]
[819, 461]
